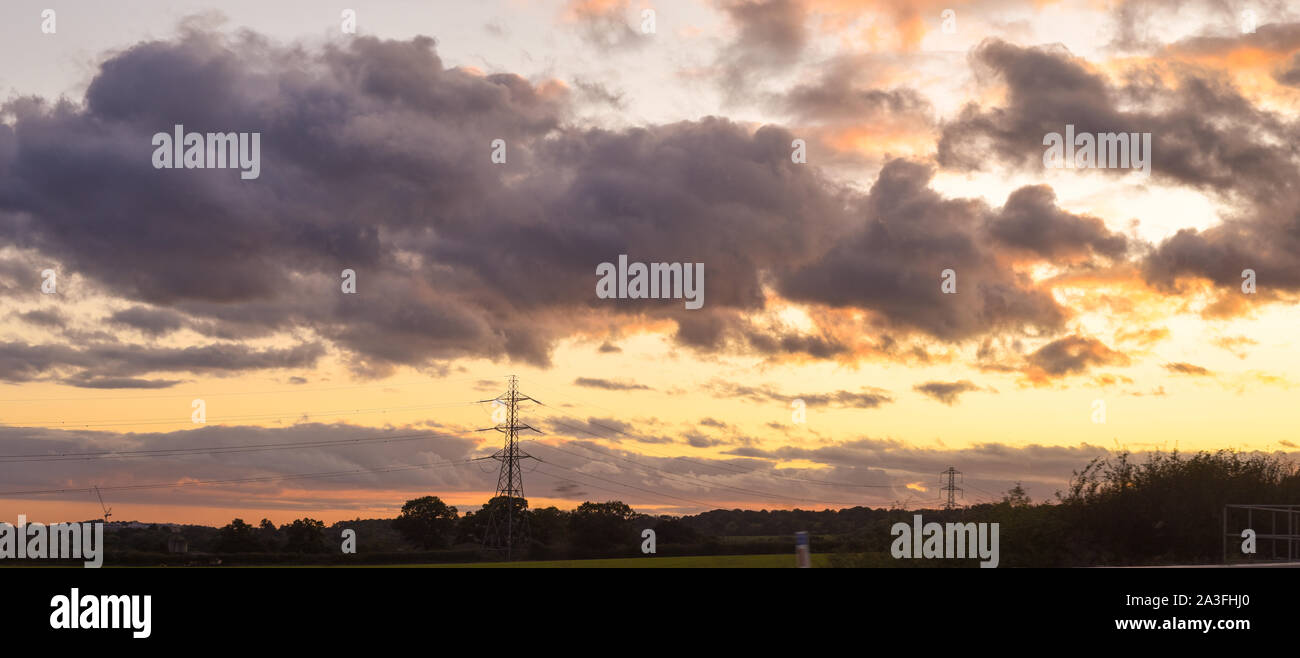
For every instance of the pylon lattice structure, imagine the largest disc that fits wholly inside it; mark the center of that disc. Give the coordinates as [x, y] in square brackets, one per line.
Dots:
[507, 529]
[951, 487]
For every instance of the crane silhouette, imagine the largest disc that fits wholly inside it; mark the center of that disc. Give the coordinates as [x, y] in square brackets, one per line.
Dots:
[108, 511]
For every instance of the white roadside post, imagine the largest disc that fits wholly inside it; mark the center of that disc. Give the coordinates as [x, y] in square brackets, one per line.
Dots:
[802, 554]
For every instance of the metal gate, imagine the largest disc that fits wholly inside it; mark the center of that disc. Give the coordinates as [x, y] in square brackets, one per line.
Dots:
[1275, 526]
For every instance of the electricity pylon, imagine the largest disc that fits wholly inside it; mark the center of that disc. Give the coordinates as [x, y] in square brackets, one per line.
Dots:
[512, 530]
[950, 487]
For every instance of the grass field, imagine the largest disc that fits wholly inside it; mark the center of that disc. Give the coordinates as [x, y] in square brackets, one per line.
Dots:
[778, 561]
[763, 561]
[689, 562]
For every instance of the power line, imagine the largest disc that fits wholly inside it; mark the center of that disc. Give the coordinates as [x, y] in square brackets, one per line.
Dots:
[509, 456]
[629, 486]
[274, 478]
[847, 410]
[737, 470]
[718, 466]
[982, 491]
[724, 467]
[49, 424]
[297, 389]
[706, 483]
[697, 502]
[216, 450]
[564, 478]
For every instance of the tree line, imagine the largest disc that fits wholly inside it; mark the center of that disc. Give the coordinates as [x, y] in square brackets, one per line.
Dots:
[1114, 510]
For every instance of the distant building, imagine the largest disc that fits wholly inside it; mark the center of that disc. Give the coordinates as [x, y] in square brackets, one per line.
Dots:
[177, 544]
[133, 525]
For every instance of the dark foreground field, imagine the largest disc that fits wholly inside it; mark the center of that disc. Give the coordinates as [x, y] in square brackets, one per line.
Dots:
[689, 562]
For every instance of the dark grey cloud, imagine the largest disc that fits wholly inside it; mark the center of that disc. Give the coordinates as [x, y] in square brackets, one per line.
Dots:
[82, 473]
[733, 330]
[20, 362]
[609, 384]
[1204, 133]
[20, 277]
[868, 398]
[83, 380]
[946, 392]
[745, 475]
[1046, 89]
[1289, 74]
[375, 158]
[49, 318]
[1072, 355]
[770, 36]
[1183, 368]
[216, 358]
[698, 440]
[609, 429]
[772, 343]
[569, 490]
[837, 95]
[847, 98]
[1031, 220]
[893, 264]
[205, 236]
[1222, 253]
[101, 364]
[1268, 35]
[150, 321]
[594, 92]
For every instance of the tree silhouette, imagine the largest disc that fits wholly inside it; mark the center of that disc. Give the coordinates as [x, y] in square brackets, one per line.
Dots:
[306, 536]
[427, 522]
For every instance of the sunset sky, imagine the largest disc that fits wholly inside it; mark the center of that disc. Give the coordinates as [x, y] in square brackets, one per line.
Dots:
[1077, 290]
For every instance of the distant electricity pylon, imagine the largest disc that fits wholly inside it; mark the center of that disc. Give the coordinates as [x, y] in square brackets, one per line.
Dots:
[512, 530]
[951, 487]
